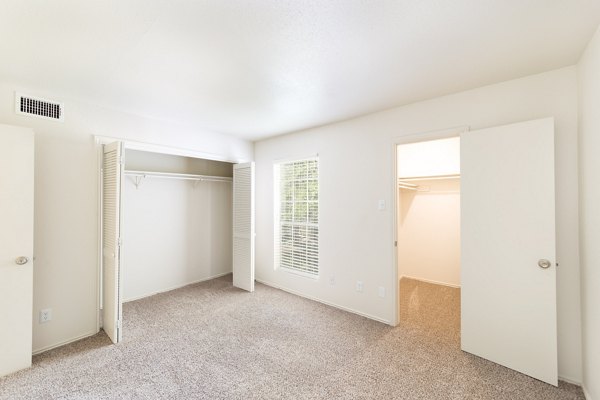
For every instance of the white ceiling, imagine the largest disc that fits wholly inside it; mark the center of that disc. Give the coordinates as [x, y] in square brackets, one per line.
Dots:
[257, 68]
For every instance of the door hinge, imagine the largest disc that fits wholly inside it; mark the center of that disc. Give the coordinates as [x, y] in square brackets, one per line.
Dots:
[119, 324]
[120, 242]
[396, 243]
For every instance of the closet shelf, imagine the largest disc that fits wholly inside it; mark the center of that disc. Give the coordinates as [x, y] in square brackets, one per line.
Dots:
[139, 176]
[404, 183]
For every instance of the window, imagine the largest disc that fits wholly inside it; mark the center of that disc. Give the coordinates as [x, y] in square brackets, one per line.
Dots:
[297, 216]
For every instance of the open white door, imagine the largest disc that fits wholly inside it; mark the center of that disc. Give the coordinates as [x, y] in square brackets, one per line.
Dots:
[16, 248]
[508, 266]
[112, 174]
[243, 226]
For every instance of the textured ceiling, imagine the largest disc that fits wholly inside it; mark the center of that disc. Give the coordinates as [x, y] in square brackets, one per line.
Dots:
[260, 68]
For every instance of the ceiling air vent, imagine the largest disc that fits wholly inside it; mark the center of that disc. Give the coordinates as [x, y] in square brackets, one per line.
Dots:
[38, 107]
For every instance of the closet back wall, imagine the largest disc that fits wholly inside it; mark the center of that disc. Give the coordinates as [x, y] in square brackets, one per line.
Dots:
[429, 232]
[175, 232]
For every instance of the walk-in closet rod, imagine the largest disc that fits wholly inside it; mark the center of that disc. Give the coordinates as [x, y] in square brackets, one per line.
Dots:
[410, 186]
[428, 178]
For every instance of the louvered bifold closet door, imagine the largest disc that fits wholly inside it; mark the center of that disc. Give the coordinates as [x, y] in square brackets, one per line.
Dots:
[112, 174]
[243, 226]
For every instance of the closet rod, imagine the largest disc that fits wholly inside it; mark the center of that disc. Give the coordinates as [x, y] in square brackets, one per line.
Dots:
[140, 175]
[404, 185]
[426, 178]
[411, 187]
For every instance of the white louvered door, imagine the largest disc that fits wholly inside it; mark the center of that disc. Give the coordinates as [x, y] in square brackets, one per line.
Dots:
[112, 174]
[243, 226]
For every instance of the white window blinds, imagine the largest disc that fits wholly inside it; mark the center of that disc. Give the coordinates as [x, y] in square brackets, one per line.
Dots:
[297, 216]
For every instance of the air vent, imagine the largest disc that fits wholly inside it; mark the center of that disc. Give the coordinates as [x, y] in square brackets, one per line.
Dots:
[38, 107]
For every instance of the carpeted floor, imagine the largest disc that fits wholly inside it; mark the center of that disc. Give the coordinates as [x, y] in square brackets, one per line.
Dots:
[212, 341]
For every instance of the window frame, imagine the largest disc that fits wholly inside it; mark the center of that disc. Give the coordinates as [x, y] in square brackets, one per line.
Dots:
[278, 223]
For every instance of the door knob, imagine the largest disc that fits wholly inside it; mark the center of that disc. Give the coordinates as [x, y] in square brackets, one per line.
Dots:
[543, 263]
[21, 260]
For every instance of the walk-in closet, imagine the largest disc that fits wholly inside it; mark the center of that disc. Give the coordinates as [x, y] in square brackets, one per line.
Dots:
[428, 234]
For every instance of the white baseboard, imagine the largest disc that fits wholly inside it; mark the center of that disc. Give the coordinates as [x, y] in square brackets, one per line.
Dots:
[65, 342]
[586, 393]
[350, 310]
[176, 287]
[452, 285]
[572, 381]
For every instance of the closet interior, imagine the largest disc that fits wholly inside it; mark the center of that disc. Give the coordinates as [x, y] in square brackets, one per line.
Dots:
[177, 222]
[428, 249]
[168, 221]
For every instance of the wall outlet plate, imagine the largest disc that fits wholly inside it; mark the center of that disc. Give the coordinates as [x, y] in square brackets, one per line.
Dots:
[359, 286]
[381, 291]
[45, 315]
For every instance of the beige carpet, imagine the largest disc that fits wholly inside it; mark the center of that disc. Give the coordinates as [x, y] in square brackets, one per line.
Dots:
[212, 341]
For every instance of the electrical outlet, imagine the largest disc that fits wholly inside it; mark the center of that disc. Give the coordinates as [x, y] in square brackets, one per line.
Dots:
[332, 280]
[359, 286]
[45, 315]
[381, 291]
[381, 205]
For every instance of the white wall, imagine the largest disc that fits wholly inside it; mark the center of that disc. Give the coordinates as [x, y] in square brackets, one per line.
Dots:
[429, 158]
[589, 192]
[66, 201]
[158, 162]
[174, 233]
[429, 232]
[356, 170]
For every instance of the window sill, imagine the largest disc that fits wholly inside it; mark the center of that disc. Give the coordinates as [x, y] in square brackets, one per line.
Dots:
[299, 273]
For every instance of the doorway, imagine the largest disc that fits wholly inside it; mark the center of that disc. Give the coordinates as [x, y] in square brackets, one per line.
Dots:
[507, 242]
[428, 232]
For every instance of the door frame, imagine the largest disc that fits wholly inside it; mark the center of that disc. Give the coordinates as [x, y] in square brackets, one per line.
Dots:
[410, 138]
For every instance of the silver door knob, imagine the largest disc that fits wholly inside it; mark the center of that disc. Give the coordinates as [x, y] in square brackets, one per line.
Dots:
[543, 263]
[21, 260]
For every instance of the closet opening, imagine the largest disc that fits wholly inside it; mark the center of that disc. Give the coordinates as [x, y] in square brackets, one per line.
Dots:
[170, 221]
[428, 236]
[177, 222]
